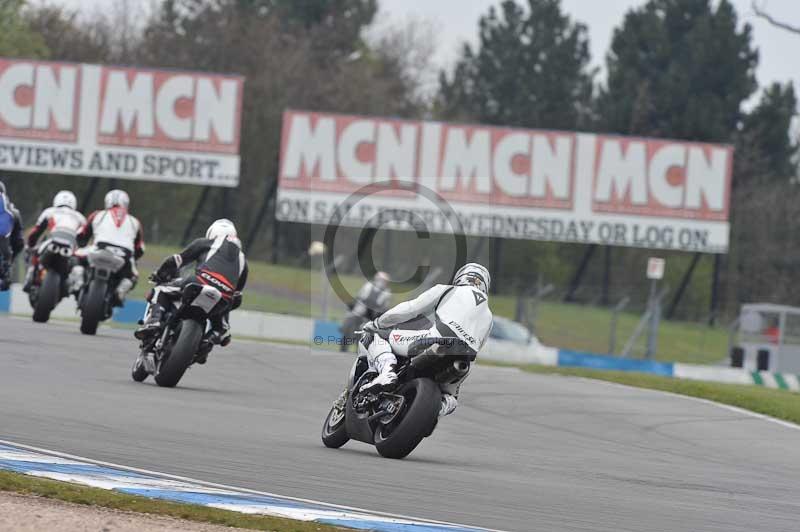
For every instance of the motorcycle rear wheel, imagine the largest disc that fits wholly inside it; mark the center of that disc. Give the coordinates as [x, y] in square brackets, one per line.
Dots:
[92, 309]
[421, 412]
[180, 357]
[47, 296]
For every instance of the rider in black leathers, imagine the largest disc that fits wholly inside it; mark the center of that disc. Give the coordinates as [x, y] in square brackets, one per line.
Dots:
[221, 264]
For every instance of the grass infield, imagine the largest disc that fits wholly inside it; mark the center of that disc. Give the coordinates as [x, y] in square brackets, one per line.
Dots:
[73, 493]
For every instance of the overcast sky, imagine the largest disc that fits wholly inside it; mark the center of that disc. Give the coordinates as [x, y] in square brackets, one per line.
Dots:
[457, 20]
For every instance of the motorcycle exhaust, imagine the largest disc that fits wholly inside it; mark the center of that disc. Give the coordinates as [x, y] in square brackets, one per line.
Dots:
[454, 372]
[462, 366]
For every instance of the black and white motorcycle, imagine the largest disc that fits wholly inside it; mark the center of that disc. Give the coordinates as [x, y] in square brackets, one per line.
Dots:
[396, 420]
[182, 340]
[50, 276]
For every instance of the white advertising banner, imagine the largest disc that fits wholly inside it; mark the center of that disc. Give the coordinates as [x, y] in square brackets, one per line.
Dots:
[502, 182]
[120, 122]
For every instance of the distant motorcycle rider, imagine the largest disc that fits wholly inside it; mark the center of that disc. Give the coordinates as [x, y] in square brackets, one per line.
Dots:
[11, 240]
[63, 218]
[221, 264]
[458, 310]
[371, 301]
[114, 227]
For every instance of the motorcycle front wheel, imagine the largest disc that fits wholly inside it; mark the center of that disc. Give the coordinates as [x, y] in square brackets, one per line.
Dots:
[181, 355]
[334, 431]
[47, 296]
[420, 413]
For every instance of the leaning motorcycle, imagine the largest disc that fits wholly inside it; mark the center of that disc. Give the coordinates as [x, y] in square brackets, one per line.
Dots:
[182, 341]
[49, 284]
[98, 295]
[397, 419]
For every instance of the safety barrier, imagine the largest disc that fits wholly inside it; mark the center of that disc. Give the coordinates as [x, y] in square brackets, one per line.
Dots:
[245, 322]
[723, 374]
[587, 360]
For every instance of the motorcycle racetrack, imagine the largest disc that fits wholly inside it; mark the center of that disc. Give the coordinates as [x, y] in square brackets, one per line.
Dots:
[523, 452]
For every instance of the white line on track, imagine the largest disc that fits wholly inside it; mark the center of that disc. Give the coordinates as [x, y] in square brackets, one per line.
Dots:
[234, 488]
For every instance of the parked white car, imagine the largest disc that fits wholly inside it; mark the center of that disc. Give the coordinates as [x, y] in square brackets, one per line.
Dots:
[511, 341]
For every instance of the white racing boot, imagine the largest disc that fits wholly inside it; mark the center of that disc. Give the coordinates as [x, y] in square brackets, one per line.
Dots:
[385, 364]
[449, 404]
[124, 286]
[76, 279]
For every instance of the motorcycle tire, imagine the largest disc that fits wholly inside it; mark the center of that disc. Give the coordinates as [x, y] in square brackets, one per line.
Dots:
[417, 422]
[334, 436]
[47, 296]
[92, 307]
[180, 357]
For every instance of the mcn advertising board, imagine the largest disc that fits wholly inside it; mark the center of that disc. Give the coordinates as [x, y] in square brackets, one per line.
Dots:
[503, 182]
[119, 122]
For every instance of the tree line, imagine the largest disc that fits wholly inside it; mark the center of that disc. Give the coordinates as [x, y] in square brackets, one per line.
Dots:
[682, 69]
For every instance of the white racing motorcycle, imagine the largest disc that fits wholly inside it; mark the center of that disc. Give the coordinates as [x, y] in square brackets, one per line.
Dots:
[98, 295]
[397, 419]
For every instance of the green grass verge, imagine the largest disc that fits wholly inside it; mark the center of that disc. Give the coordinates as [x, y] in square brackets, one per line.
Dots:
[290, 290]
[587, 328]
[77, 494]
[780, 404]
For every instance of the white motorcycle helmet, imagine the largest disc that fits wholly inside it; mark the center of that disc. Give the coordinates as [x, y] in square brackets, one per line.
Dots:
[473, 274]
[117, 198]
[65, 198]
[223, 228]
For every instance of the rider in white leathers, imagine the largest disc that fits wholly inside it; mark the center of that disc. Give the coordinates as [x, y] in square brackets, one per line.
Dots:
[63, 217]
[115, 228]
[459, 310]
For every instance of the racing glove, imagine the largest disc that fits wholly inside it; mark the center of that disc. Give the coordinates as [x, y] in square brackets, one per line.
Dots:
[236, 300]
[370, 327]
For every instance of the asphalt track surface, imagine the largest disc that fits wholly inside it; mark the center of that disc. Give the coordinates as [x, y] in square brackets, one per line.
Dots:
[523, 452]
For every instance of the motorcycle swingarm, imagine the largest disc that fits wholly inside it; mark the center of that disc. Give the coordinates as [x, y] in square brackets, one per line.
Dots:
[357, 423]
[360, 425]
[387, 414]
